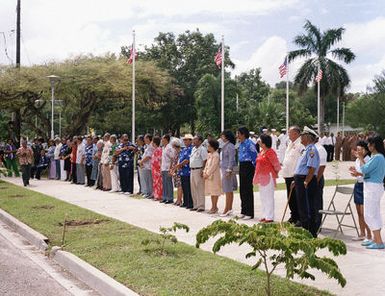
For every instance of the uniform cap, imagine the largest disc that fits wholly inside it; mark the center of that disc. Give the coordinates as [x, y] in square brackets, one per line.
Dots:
[309, 131]
[188, 137]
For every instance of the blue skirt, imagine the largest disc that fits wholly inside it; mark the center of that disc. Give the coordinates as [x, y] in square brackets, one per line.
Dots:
[359, 193]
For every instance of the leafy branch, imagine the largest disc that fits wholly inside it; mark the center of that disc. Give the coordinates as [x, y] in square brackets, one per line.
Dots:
[166, 234]
[277, 244]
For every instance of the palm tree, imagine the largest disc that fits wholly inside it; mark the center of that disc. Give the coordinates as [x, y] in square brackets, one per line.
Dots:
[318, 49]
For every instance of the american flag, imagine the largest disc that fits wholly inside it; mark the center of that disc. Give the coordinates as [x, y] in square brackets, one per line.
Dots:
[318, 78]
[283, 68]
[218, 58]
[132, 54]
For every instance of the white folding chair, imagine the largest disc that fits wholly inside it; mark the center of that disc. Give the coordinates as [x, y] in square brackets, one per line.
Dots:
[344, 196]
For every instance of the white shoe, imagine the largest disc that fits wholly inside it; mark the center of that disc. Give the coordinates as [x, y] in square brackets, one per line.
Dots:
[228, 213]
[127, 193]
[247, 218]
[241, 216]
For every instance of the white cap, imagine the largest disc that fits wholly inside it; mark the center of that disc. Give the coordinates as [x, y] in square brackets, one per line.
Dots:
[307, 130]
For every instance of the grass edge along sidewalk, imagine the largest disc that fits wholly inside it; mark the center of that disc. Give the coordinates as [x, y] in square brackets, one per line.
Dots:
[116, 248]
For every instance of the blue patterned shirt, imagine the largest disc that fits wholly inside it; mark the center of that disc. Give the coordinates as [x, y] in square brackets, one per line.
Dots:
[247, 151]
[185, 154]
[89, 153]
[126, 157]
[63, 150]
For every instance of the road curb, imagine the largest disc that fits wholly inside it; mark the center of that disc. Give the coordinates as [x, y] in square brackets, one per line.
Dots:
[36, 238]
[90, 275]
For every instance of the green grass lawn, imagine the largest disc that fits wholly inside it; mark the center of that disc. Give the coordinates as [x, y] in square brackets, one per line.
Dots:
[115, 248]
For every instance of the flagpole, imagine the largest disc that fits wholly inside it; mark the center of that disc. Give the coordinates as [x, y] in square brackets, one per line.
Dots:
[338, 113]
[133, 86]
[318, 102]
[223, 86]
[287, 93]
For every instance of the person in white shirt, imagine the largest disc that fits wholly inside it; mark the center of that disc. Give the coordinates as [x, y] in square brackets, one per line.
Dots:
[145, 164]
[56, 157]
[331, 142]
[293, 152]
[197, 163]
[168, 153]
[274, 139]
[105, 163]
[365, 233]
[80, 165]
[320, 182]
[283, 141]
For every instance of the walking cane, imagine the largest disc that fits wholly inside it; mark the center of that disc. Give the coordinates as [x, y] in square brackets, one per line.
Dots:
[287, 203]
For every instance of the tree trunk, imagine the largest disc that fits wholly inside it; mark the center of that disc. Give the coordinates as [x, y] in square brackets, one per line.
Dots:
[14, 133]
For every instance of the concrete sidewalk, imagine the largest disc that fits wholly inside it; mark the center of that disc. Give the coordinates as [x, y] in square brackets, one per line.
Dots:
[24, 270]
[363, 269]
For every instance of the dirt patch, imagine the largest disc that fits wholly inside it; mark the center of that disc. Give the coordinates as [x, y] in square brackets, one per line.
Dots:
[43, 207]
[83, 222]
[16, 196]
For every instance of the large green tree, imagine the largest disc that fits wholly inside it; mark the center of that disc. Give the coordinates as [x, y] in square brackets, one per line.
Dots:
[367, 111]
[318, 48]
[96, 92]
[187, 57]
[208, 104]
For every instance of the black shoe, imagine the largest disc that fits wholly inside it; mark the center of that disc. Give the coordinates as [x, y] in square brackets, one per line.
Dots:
[168, 202]
[298, 224]
[200, 210]
[163, 201]
[193, 209]
[183, 206]
[291, 221]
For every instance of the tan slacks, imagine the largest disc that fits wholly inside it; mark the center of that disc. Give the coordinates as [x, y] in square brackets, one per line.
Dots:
[197, 189]
[106, 175]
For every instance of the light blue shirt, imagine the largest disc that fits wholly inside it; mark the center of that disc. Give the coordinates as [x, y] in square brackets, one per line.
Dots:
[309, 159]
[374, 169]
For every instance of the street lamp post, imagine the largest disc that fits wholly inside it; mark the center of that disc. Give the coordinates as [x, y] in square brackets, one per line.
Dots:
[52, 79]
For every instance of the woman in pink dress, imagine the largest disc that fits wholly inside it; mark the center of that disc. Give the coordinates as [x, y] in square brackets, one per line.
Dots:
[266, 173]
[212, 175]
[155, 168]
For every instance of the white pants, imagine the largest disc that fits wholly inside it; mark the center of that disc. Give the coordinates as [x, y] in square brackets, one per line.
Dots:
[115, 184]
[266, 192]
[63, 173]
[373, 193]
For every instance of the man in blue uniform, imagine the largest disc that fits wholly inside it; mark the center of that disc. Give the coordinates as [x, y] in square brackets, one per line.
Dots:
[305, 179]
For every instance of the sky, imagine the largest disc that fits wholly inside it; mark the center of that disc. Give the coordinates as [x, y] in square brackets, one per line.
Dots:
[258, 32]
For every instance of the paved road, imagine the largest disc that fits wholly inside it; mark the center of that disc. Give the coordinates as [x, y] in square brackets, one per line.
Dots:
[24, 271]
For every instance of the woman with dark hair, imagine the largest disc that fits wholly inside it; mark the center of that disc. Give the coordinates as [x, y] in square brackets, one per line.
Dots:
[365, 234]
[247, 154]
[227, 163]
[266, 173]
[212, 175]
[374, 173]
[156, 160]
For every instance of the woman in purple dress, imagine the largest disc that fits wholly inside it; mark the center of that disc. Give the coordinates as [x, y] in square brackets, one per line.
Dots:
[52, 164]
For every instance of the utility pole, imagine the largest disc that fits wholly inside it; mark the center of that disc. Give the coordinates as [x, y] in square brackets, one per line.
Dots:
[18, 30]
